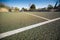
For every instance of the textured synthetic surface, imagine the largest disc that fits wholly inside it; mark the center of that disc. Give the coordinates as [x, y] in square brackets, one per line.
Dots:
[11, 21]
[50, 31]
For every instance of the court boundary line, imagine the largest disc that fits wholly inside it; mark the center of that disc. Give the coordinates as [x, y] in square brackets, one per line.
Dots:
[37, 16]
[9, 33]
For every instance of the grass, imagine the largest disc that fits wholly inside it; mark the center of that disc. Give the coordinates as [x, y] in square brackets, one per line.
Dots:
[49, 31]
[11, 21]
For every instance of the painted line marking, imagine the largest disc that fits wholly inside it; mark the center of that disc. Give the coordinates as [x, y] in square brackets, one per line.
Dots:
[38, 16]
[9, 33]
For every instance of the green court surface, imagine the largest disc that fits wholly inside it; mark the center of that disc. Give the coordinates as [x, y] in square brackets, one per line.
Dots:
[50, 31]
[49, 15]
[11, 21]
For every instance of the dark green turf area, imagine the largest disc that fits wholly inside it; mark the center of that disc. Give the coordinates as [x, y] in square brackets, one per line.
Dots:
[50, 31]
[49, 15]
[14, 20]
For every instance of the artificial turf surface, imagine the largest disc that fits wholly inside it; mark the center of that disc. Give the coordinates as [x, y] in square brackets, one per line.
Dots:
[49, 15]
[50, 31]
[12, 21]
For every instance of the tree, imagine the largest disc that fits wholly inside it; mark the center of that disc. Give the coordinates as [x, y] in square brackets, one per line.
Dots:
[50, 7]
[43, 8]
[57, 6]
[3, 5]
[16, 9]
[9, 10]
[32, 7]
[24, 9]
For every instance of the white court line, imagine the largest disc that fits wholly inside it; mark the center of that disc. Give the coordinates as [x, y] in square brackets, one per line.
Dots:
[38, 16]
[9, 33]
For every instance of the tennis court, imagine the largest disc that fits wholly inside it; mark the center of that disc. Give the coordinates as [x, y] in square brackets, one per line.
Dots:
[47, 26]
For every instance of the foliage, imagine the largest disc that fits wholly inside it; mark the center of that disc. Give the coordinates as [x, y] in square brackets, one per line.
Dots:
[32, 7]
[24, 9]
[3, 5]
[50, 7]
[16, 9]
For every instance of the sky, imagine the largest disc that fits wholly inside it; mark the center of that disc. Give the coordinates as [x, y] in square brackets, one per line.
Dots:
[27, 3]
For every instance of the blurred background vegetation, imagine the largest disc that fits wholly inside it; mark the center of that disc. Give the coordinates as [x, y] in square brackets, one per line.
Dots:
[49, 8]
